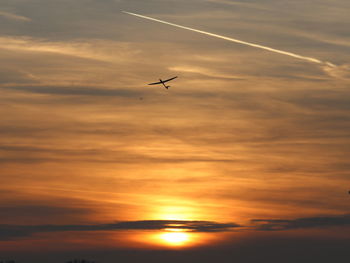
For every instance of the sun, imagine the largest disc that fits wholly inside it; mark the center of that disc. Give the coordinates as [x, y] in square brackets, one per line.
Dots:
[175, 238]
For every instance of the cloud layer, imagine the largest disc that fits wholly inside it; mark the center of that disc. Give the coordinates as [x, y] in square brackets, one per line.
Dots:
[302, 223]
[9, 232]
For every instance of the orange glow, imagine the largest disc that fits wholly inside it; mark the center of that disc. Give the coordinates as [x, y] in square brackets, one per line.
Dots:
[243, 148]
[176, 238]
[181, 211]
[172, 238]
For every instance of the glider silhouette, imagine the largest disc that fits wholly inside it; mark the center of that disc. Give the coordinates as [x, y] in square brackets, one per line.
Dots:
[163, 82]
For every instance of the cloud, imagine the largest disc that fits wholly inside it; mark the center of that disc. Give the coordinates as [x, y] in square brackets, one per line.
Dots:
[43, 212]
[239, 4]
[99, 50]
[302, 223]
[202, 71]
[12, 16]
[341, 72]
[9, 76]
[75, 91]
[9, 232]
[123, 156]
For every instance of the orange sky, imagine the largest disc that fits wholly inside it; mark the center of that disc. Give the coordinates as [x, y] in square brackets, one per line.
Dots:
[242, 134]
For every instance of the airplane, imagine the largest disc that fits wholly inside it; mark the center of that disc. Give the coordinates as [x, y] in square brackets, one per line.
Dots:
[163, 82]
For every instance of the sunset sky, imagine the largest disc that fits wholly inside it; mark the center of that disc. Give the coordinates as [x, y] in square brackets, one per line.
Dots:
[245, 158]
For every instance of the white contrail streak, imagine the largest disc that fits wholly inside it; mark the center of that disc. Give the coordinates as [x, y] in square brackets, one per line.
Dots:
[310, 59]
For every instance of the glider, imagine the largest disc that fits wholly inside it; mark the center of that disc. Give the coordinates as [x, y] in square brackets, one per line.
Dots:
[163, 82]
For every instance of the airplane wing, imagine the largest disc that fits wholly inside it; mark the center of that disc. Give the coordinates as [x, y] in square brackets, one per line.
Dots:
[169, 79]
[155, 83]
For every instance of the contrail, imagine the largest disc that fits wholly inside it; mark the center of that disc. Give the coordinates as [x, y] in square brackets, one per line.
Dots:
[310, 59]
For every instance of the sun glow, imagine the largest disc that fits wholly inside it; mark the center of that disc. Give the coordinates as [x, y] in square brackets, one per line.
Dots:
[175, 212]
[177, 232]
[175, 238]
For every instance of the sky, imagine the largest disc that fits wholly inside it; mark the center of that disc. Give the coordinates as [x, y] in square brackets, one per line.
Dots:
[243, 159]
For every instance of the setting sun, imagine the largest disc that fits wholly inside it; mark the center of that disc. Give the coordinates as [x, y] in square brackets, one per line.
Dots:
[175, 238]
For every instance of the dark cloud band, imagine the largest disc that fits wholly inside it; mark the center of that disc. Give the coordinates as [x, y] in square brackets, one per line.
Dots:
[8, 232]
[300, 223]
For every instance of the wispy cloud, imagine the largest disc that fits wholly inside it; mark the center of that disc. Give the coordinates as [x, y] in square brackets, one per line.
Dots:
[12, 16]
[39, 155]
[240, 4]
[75, 91]
[202, 71]
[341, 72]
[96, 50]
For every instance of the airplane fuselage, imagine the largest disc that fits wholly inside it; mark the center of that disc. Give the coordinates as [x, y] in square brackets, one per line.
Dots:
[165, 86]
